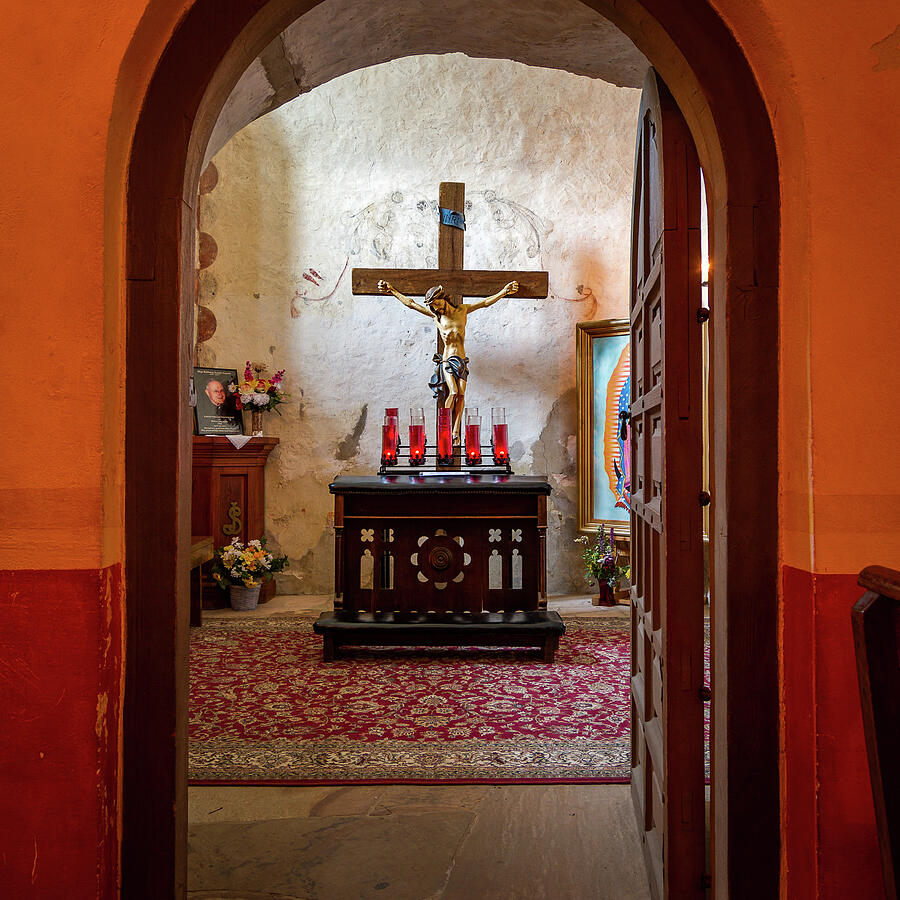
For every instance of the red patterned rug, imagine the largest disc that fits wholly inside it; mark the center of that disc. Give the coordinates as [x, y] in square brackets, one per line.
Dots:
[265, 709]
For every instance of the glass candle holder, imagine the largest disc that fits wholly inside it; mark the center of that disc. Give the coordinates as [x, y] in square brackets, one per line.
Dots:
[417, 435]
[499, 435]
[393, 412]
[473, 440]
[444, 436]
[471, 413]
[390, 440]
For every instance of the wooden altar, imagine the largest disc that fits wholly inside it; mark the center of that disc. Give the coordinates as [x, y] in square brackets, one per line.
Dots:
[228, 496]
[440, 560]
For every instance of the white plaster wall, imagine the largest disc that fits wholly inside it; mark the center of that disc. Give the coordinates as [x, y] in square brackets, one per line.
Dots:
[347, 175]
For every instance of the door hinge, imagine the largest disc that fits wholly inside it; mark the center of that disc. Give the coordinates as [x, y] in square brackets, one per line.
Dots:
[705, 881]
[704, 498]
[702, 315]
[705, 694]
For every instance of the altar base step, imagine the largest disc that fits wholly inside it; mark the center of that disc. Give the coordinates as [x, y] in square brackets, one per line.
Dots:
[540, 629]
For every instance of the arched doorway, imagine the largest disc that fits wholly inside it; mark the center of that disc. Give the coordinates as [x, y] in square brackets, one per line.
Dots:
[714, 86]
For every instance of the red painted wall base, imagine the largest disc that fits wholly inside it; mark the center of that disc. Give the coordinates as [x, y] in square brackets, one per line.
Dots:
[830, 843]
[60, 672]
[60, 676]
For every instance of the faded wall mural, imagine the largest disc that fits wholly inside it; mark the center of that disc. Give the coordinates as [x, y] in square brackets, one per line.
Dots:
[347, 175]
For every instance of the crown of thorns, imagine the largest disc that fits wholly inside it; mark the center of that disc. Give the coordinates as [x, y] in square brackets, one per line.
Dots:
[437, 293]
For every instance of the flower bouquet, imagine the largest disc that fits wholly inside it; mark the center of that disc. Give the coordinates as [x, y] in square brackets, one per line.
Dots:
[241, 570]
[601, 561]
[258, 394]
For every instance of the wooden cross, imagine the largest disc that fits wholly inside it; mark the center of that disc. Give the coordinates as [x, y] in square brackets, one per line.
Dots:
[456, 281]
[450, 273]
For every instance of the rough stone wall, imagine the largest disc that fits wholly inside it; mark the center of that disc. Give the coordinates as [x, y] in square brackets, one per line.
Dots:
[347, 175]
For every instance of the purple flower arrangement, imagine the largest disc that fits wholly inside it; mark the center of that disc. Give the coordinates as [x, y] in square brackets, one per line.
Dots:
[601, 559]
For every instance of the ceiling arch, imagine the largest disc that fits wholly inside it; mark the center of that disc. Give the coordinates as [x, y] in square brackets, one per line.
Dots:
[336, 37]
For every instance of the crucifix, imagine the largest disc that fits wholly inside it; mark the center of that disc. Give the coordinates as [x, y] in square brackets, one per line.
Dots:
[444, 290]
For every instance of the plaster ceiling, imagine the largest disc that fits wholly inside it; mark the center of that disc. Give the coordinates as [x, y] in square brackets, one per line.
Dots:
[339, 36]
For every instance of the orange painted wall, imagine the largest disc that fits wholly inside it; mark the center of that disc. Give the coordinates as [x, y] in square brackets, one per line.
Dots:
[830, 74]
[829, 88]
[61, 496]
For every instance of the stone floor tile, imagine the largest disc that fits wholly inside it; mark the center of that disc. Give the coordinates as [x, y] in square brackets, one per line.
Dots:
[551, 842]
[580, 605]
[238, 895]
[248, 804]
[401, 857]
[412, 798]
[313, 604]
[280, 605]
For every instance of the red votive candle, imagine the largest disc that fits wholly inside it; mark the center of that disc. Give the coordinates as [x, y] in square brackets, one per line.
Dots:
[389, 440]
[501, 443]
[416, 435]
[388, 445]
[473, 440]
[417, 442]
[500, 436]
[444, 435]
[392, 416]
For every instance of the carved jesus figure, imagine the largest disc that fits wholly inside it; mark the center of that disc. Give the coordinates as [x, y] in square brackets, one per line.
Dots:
[452, 367]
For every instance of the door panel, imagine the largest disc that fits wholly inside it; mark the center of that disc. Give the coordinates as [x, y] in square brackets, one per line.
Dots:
[666, 520]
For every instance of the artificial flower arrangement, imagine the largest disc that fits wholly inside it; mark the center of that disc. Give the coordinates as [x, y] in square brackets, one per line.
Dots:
[255, 393]
[601, 559]
[236, 564]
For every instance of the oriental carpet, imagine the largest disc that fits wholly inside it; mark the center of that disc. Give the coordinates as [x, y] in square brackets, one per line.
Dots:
[265, 709]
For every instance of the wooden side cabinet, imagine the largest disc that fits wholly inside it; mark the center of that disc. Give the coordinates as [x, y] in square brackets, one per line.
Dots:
[228, 495]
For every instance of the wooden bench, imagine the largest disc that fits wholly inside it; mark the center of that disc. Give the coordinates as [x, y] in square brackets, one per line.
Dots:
[876, 633]
[201, 552]
[536, 628]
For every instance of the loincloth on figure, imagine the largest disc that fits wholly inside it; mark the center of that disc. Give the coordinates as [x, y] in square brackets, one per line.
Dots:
[455, 366]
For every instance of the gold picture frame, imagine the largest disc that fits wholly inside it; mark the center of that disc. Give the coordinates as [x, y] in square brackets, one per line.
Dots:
[598, 351]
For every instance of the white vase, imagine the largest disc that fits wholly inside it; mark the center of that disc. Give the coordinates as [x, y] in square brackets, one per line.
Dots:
[244, 598]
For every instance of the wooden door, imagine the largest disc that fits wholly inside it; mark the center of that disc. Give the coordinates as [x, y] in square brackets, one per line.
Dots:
[667, 773]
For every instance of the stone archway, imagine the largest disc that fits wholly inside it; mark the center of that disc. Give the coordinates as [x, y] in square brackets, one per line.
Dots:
[713, 83]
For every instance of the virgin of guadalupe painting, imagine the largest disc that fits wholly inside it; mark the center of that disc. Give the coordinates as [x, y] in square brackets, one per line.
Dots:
[604, 459]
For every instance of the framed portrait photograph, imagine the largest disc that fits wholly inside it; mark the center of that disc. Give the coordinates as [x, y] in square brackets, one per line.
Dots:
[215, 411]
[603, 376]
